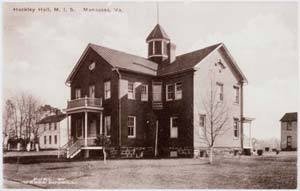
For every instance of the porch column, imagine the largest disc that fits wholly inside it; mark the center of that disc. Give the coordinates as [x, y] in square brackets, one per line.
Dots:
[101, 125]
[68, 127]
[85, 128]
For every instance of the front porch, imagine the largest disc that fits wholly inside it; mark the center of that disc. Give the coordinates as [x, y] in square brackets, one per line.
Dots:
[84, 124]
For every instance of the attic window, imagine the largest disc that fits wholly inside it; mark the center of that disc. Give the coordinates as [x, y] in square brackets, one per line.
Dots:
[150, 48]
[92, 66]
[157, 47]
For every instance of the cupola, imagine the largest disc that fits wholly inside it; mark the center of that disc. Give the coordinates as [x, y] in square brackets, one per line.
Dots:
[159, 46]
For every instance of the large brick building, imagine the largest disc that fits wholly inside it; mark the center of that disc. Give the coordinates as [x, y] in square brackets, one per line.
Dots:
[152, 104]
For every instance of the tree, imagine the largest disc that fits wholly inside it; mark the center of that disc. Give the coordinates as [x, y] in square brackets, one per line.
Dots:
[20, 115]
[216, 117]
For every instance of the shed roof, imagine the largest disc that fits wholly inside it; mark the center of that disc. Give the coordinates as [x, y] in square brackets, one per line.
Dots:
[289, 117]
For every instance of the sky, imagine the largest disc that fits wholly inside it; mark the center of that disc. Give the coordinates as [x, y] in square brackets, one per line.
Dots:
[40, 48]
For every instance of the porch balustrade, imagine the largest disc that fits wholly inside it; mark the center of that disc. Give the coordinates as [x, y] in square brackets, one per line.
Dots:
[84, 102]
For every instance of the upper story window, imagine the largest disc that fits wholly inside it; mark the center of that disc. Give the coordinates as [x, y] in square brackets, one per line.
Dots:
[156, 91]
[165, 48]
[45, 140]
[49, 126]
[178, 90]
[174, 127]
[289, 125]
[236, 94]
[55, 126]
[220, 90]
[236, 127]
[158, 47]
[50, 139]
[150, 49]
[77, 93]
[107, 91]
[144, 92]
[202, 120]
[107, 125]
[92, 91]
[131, 124]
[55, 139]
[169, 92]
[131, 90]
[45, 127]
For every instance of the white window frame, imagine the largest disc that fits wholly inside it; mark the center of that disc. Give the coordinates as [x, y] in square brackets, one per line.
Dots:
[77, 93]
[134, 126]
[92, 90]
[107, 123]
[220, 91]
[236, 128]
[131, 94]
[167, 92]
[157, 94]
[107, 90]
[236, 94]
[173, 127]
[144, 96]
[178, 93]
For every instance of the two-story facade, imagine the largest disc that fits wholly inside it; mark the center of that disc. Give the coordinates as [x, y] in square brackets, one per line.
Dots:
[289, 132]
[155, 103]
[52, 131]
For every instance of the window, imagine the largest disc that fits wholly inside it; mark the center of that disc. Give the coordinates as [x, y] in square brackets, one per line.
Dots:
[92, 91]
[131, 124]
[178, 90]
[174, 127]
[169, 92]
[289, 125]
[131, 90]
[107, 126]
[236, 127]
[55, 126]
[150, 49]
[158, 47]
[55, 139]
[45, 127]
[45, 140]
[165, 48]
[156, 91]
[77, 93]
[236, 94]
[220, 91]
[49, 126]
[107, 90]
[144, 92]
[50, 139]
[78, 127]
[202, 120]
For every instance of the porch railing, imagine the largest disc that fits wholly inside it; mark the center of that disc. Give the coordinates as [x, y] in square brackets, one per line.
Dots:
[84, 102]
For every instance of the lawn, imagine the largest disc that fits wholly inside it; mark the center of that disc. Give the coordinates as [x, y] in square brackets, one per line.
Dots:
[269, 171]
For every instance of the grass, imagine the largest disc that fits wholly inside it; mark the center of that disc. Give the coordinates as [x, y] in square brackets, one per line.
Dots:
[271, 171]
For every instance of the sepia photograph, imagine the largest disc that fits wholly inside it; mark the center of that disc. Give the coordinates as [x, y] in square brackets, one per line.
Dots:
[149, 95]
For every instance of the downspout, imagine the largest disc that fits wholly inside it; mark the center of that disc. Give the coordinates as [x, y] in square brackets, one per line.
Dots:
[119, 105]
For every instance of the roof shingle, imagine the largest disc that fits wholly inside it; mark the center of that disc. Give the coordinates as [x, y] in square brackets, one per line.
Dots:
[158, 33]
[187, 61]
[52, 119]
[289, 117]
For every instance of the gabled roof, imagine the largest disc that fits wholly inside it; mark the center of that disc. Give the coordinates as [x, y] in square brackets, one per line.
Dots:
[137, 64]
[52, 119]
[158, 33]
[187, 61]
[289, 117]
[120, 60]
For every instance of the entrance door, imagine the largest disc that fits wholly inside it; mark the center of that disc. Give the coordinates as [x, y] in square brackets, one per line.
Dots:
[92, 129]
[289, 142]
